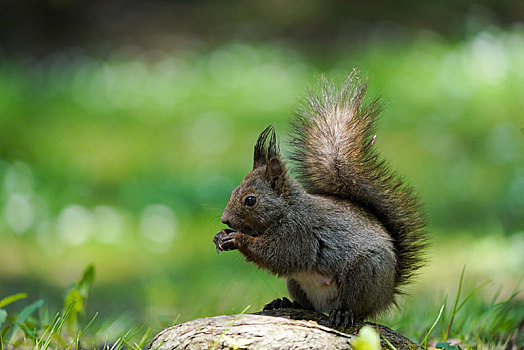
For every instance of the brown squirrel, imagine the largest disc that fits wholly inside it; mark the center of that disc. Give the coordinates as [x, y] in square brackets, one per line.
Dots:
[349, 232]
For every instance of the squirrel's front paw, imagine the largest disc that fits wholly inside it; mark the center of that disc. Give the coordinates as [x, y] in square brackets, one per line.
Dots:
[225, 240]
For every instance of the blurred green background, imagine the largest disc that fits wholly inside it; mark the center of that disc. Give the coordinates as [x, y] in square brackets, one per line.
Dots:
[125, 125]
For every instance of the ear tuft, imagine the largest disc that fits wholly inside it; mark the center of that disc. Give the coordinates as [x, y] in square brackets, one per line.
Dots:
[266, 147]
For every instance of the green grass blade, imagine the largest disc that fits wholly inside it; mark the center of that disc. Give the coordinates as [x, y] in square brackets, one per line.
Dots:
[22, 317]
[76, 340]
[424, 342]
[56, 328]
[87, 280]
[471, 294]
[142, 342]
[88, 324]
[120, 341]
[391, 346]
[49, 328]
[454, 312]
[3, 317]
[11, 299]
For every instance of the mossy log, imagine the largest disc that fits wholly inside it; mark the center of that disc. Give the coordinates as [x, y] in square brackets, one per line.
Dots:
[275, 329]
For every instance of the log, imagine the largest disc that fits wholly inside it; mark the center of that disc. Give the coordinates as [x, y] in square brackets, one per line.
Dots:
[275, 329]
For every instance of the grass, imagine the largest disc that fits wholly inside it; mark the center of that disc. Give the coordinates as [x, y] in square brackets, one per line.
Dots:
[66, 329]
[471, 322]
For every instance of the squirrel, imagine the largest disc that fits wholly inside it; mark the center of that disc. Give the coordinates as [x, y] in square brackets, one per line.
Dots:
[348, 232]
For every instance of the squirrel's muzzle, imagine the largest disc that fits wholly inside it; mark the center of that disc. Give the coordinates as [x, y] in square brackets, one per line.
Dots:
[226, 222]
[225, 219]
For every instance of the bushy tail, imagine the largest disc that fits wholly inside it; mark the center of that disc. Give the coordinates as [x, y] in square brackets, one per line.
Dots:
[334, 155]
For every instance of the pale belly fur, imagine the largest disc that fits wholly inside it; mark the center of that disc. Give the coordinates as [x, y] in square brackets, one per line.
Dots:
[320, 290]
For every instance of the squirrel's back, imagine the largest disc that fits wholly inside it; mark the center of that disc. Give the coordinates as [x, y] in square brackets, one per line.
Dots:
[334, 153]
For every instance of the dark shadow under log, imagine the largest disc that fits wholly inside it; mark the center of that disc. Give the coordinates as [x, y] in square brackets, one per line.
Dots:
[275, 329]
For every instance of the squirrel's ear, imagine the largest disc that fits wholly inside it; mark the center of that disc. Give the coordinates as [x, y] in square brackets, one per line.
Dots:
[275, 170]
[266, 147]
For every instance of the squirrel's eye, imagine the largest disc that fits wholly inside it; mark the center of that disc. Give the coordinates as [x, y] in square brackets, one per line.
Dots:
[250, 201]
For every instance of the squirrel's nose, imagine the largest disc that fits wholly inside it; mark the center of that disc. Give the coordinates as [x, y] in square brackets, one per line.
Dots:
[226, 222]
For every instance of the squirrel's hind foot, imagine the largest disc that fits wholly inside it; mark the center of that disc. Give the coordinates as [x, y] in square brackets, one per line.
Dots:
[341, 318]
[282, 304]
